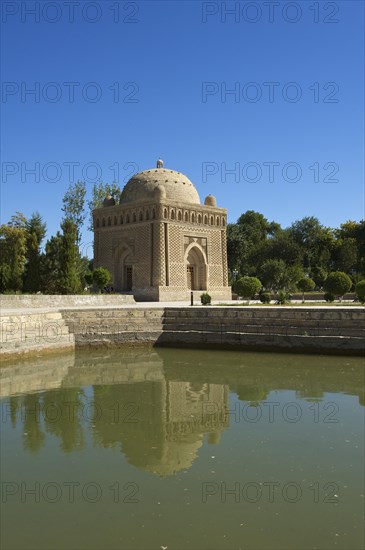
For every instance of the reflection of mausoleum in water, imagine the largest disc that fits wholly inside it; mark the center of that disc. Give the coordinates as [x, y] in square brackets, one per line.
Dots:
[172, 418]
[158, 423]
[167, 404]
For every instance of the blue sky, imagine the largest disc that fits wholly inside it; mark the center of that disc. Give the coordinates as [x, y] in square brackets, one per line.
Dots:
[293, 129]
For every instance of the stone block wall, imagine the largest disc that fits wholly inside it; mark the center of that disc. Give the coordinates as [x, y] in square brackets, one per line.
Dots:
[292, 329]
[26, 333]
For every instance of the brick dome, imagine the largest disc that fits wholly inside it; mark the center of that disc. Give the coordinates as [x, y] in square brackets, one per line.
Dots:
[142, 187]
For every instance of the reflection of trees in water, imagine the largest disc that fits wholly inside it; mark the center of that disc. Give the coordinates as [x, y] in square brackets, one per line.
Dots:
[139, 433]
[33, 435]
[63, 417]
[13, 408]
[41, 413]
[151, 403]
[253, 394]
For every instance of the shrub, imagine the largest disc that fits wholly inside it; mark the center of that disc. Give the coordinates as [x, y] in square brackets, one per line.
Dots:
[360, 291]
[101, 277]
[247, 287]
[282, 298]
[305, 285]
[88, 276]
[265, 298]
[338, 283]
[329, 297]
[205, 299]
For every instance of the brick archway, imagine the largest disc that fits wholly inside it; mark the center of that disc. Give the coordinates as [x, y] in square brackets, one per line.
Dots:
[196, 268]
[123, 269]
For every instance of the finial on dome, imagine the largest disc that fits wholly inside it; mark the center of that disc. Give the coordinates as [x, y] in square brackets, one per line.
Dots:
[159, 163]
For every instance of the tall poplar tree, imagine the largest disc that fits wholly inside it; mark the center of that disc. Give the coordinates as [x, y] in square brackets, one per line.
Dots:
[36, 231]
[70, 279]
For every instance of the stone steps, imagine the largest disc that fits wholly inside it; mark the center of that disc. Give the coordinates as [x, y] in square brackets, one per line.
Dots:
[96, 327]
[268, 342]
[304, 330]
[330, 315]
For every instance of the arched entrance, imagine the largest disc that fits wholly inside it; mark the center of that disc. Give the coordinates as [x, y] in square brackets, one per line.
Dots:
[123, 269]
[127, 274]
[196, 269]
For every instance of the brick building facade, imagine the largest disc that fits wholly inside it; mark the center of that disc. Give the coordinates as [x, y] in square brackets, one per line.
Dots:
[160, 242]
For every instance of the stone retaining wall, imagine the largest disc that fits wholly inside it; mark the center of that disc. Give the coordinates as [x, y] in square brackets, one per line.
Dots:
[294, 329]
[34, 333]
[278, 329]
[113, 326]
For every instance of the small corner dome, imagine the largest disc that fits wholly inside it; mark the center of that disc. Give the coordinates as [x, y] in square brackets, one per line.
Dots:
[210, 200]
[108, 201]
[161, 183]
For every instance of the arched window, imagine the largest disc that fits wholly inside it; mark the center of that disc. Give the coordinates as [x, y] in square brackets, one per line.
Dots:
[217, 220]
[141, 216]
[103, 222]
[192, 217]
[109, 221]
[199, 218]
[147, 215]
[134, 219]
[179, 215]
[206, 220]
[186, 216]
[211, 220]
[172, 214]
[121, 220]
[115, 220]
[223, 222]
[127, 219]
[165, 213]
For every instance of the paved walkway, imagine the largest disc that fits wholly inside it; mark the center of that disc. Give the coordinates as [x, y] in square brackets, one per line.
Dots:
[160, 305]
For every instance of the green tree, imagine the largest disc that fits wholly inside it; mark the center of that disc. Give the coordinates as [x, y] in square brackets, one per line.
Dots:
[315, 240]
[282, 246]
[69, 259]
[247, 287]
[306, 284]
[101, 277]
[36, 231]
[360, 290]
[5, 273]
[292, 274]
[338, 283]
[13, 240]
[247, 240]
[319, 275]
[50, 265]
[99, 192]
[74, 205]
[355, 230]
[345, 254]
[235, 247]
[272, 274]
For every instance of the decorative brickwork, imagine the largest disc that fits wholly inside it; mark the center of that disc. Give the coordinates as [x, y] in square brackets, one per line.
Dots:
[160, 242]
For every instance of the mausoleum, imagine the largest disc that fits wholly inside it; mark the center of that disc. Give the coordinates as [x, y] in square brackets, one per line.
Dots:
[160, 243]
